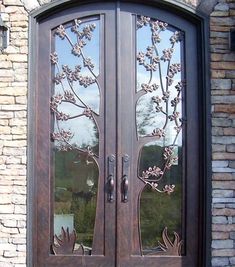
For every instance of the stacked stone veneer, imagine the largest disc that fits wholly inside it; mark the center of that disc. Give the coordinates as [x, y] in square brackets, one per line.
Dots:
[13, 129]
[223, 132]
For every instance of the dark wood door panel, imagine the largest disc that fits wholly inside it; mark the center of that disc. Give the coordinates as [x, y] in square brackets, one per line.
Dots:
[103, 248]
[129, 226]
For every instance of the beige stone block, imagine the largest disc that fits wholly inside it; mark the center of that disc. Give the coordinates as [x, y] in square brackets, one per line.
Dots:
[17, 65]
[19, 190]
[6, 189]
[20, 43]
[19, 35]
[19, 17]
[223, 252]
[220, 235]
[17, 130]
[18, 240]
[20, 77]
[13, 160]
[6, 72]
[4, 85]
[229, 131]
[17, 122]
[218, 41]
[6, 209]
[19, 84]
[9, 223]
[17, 58]
[7, 100]
[12, 49]
[21, 71]
[220, 14]
[21, 100]
[21, 248]
[10, 151]
[3, 160]
[226, 212]
[21, 182]
[7, 246]
[18, 29]
[5, 137]
[5, 130]
[19, 137]
[14, 91]
[10, 254]
[223, 156]
[223, 228]
[222, 65]
[30, 4]
[217, 73]
[6, 115]
[15, 143]
[12, 3]
[20, 209]
[5, 199]
[24, 50]
[7, 79]
[12, 107]
[19, 199]
[3, 122]
[232, 12]
[23, 160]
[12, 170]
[21, 260]
[22, 24]
[223, 184]
[5, 65]
[224, 108]
[20, 114]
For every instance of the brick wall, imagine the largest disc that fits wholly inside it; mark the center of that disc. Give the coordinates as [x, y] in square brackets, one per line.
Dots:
[13, 128]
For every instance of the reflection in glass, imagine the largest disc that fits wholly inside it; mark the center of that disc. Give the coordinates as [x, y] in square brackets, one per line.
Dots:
[159, 77]
[75, 106]
[75, 196]
[159, 85]
[163, 209]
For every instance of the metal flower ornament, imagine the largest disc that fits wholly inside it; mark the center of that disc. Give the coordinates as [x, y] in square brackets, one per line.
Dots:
[68, 79]
[167, 95]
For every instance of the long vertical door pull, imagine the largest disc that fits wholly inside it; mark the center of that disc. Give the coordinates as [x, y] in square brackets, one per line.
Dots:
[125, 182]
[110, 181]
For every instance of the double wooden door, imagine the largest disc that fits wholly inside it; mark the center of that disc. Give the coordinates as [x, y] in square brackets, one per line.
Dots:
[117, 144]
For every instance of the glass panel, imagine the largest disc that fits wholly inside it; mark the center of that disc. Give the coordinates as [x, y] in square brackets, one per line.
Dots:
[75, 136]
[160, 202]
[159, 115]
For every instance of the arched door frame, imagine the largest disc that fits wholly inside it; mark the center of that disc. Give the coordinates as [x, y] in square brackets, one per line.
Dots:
[201, 20]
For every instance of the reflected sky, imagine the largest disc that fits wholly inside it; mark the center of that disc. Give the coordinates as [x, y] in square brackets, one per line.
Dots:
[83, 128]
[147, 118]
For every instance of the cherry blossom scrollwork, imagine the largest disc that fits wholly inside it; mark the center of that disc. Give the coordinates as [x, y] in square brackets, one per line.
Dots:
[68, 79]
[166, 94]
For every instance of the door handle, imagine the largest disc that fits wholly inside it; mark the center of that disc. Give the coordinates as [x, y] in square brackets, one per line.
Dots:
[125, 181]
[110, 180]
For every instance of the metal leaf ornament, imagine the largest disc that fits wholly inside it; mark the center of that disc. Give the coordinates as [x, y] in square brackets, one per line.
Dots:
[168, 247]
[64, 244]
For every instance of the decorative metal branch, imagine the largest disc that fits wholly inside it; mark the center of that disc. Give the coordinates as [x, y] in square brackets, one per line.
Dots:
[153, 62]
[71, 96]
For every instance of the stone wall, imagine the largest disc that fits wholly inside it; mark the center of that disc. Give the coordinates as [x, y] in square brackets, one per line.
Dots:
[13, 129]
[223, 131]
